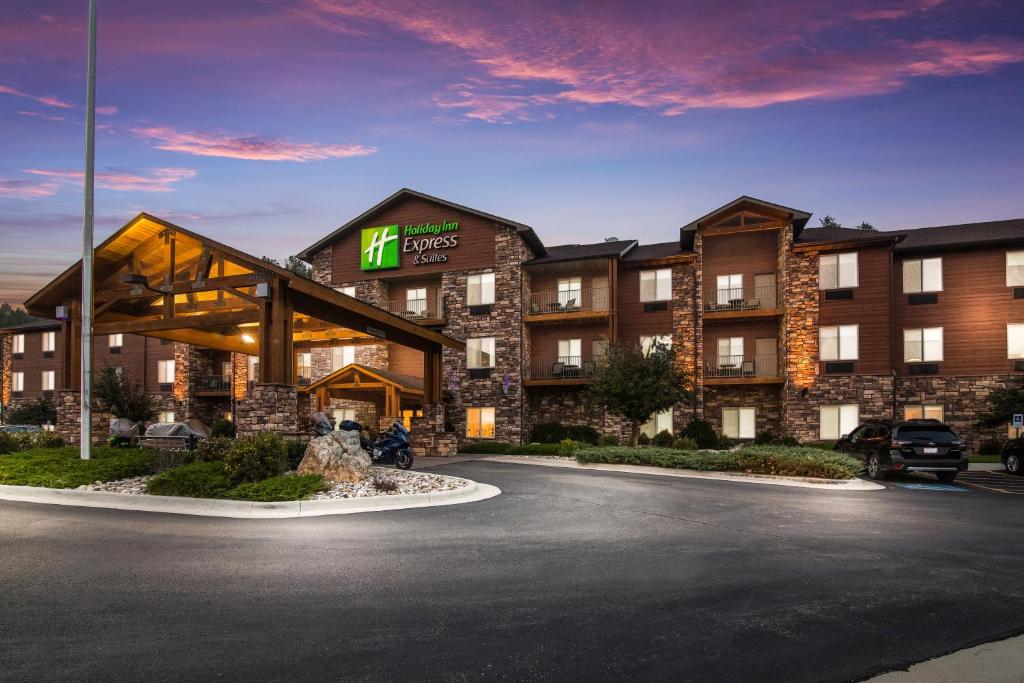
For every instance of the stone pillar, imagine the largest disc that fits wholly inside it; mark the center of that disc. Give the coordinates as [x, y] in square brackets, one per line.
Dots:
[69, 419]
[239, 375]
[186, 375]
[271, 407]
[429, 437]
[6, 365]
[687, 339]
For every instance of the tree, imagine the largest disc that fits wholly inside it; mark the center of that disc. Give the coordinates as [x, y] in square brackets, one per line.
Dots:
[1003, 403]
[867, 226]
[124, 397]
[293, 265]
[10, 316]
[829, 222]
[635, 386]
[39, 412]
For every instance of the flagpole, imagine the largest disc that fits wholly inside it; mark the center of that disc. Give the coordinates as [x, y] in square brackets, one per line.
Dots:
[87, 229]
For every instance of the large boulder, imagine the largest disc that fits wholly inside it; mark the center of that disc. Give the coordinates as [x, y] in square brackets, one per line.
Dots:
[338, 457]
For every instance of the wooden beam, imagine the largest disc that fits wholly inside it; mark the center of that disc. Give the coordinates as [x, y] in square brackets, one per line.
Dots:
[209, 340]
[432, 376]
[201, 321]
[212, 284]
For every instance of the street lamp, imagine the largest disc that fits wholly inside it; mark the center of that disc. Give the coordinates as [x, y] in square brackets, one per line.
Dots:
[87, 228]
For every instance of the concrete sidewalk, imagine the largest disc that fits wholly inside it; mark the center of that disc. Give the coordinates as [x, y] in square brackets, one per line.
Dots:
[999, 662]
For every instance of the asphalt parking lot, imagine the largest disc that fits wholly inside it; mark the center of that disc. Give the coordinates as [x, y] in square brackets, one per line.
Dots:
[568, 574]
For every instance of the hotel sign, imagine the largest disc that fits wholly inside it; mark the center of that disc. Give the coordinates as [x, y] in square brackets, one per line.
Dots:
[380, 247]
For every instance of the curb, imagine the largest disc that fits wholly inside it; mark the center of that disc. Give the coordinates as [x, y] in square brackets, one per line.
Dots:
[839, 485]
[238, 509]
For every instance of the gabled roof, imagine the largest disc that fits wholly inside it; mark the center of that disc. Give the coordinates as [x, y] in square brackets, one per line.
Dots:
[848, 235]
[964, 234]
[644, 252]
[577, 252]
[406, 383]
[525, 231]
[798, 217]
[42, 324]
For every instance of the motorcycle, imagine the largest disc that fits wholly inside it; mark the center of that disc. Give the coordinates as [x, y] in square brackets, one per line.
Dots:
[392, 447]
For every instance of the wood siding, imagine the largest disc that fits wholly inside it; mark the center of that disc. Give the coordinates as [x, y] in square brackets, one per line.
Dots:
[747, 253]
[633, 320]
[869, 309]
[405, 361]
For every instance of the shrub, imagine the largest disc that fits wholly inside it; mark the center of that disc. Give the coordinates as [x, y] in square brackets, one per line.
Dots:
[824, 445]
[643, 440]
[14, 442]
[608, 440]
[296, 451]
[583, 434]
[38, 412]
[789, 441]
[568, 447]
[663, 439]
[223, 428]
[285, 487]
[63, 468]
[684, 443]
[764, 438]
[256, 457]
[659, 457]
[990, 447]
[213, 448]
[548, 432]
[197, 480]
[502, 448]
[168, 459]
[384, 484]
[7, 443]
[702, 433]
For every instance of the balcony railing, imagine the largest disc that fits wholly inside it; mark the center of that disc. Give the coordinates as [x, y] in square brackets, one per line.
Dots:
[419, 309]
[213, 383]
[569, 301]
[743, 299]
[766, 365]
[562, 367]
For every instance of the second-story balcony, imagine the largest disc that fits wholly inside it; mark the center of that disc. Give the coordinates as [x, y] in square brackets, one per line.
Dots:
[428, 310]
[736, 302]
[745, 369]
[561, 370]
[569, 304]
[213, 385]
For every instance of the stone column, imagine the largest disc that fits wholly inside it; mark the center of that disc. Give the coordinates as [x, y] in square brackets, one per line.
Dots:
[270, 407]
[69, 419]
[6, 365]
[429, 437]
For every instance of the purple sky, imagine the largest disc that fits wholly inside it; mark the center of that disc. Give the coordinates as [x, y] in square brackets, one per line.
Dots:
[268, 124]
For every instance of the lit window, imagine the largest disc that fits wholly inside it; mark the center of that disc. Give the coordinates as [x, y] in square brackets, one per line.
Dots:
[339, 415]
[18, 381]
[116, 341]
[647, 342]
[304, 365]
[416, 301]
[49, 427]
[838, 342]
[659, 422]
[1015, 269]
[838, 421]
[730, 288]
[569, 291]
[18, 344]
[341, 356]
[408, 415]
[165, 372]
[480, 423]
[730, 352]
[922, 275]
[253, 368]
[923, 412]
[738, 423]
[1015, 340]
[656, 285]
[480, 289]
[922, 346]
[570, 351]
[837, 271]
[348, 291]
[480, 352]
[49, 341]
[166, 416]
[49, 380]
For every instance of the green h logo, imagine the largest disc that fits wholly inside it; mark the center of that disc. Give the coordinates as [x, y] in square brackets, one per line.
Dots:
[379, 248]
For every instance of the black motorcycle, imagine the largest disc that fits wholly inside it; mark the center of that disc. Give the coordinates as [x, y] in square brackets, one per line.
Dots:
[391, 447]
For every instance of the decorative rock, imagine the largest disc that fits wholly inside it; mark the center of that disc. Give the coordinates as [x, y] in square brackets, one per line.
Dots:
[339, 457]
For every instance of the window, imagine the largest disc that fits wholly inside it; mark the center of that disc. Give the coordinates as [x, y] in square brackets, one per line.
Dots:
[49, 380]
[647, 342]
[922, 346]
[49, 341]
[1015, 269]
[739, 423]
[416, 301]
[730, 351]
[339, 415]
[923, 412]
[116, 341]
[165, 372]
[408, 415]
[922, 275]
[1015, 340]
[838, 342]
[253, 368]
[18, 344]
[570, 351]
[348, 291]
[837, 271]
[18, 381]
[836, 421]
[730, 288]
[659, 422]
[569, 291]
[304, 365]
[656, 285]
[480, 289]
[340, 357]
[480, 423]
[166, 416]
[480, 352]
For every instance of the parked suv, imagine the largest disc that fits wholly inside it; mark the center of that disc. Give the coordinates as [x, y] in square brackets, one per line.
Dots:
[906, 446]
[1013, 454]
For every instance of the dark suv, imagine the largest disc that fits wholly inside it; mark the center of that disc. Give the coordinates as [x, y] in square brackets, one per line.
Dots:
[1013, 456]
[906, 446]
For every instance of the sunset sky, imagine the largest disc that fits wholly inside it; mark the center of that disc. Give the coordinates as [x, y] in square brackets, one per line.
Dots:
[267, 124]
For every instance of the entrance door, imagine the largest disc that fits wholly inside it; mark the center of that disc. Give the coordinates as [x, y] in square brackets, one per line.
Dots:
[766, 363]
[764, 291]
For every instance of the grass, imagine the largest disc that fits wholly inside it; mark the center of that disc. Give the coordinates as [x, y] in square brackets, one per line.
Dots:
[62, 468]
[210, 480]
[284, 487]
[794, 461]
[986, 458]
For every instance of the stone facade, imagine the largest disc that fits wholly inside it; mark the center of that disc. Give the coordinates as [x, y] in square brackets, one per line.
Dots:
[569, 406]
[802, 415]
[765, 399]
[429, 436]
[6, 344]
[69, 419]
[270, 407]
[963, 399]
[687, 340]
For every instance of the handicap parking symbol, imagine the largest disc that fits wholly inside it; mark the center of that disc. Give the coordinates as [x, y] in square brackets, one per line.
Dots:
[931, 487]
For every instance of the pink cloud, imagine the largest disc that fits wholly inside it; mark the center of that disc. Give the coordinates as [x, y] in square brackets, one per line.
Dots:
[250, 147]
[27, 189]
[48, 100]
[108, 110]
[41, 115]
[153, 180]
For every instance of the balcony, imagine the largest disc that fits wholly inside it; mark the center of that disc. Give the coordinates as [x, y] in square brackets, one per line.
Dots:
[560, 370]
[426, 311]
[753, 369]
[743, 302]
[570, 304]
[213, 385]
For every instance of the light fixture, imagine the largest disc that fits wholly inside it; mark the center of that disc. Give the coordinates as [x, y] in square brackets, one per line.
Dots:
[248, 339]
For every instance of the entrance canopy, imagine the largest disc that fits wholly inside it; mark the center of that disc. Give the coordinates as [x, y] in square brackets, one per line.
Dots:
[156, 279]
[373, 385]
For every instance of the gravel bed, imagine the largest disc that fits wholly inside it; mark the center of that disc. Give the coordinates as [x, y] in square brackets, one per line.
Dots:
[407, 481]
[133, 485]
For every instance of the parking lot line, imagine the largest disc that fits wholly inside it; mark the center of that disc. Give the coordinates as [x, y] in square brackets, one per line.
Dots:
[999, 482]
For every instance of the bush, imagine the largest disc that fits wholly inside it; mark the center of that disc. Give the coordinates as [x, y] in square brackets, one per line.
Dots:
[63, 468]
[789, 441]
[296, 450]
[197, 480]
[7, 443]
[285, 487]
[684, 443]
[608, 440]
[38, 412]
[14, 442]
[256, 457]
[215, 448]
[659, 457]
[502, 448]
[663, 439]
[548, 432]
[383, 484]
[824, 445]
[168, 459]
[223, 428]
[583, 434]
[643, 440]
[702, 433]
[990, 447]
[568, 447]
[764, 438]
